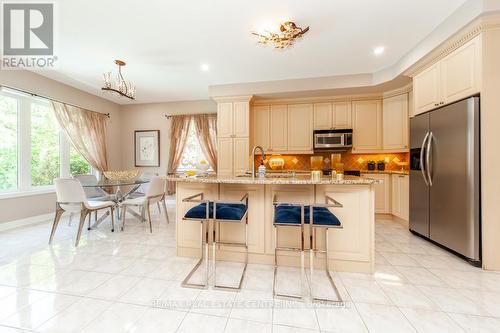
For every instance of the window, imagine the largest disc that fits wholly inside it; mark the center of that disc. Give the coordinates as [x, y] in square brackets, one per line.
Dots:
[45, 156]
[192, 154]
[33, 148]
[8, 143]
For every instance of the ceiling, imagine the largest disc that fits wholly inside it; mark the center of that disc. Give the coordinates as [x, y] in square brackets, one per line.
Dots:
[164, 42]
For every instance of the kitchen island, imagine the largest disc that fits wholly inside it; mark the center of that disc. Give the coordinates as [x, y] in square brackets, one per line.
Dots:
[351, 248]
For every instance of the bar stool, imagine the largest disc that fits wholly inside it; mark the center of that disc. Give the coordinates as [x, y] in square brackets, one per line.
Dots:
[321, 217]
[218, 211]
[288, 215]
[227, 212]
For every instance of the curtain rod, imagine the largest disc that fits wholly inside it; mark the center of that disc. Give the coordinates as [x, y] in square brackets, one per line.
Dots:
[52, 99]
[169, 116]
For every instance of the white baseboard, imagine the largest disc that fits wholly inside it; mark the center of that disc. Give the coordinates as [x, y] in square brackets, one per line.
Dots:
[25, 222]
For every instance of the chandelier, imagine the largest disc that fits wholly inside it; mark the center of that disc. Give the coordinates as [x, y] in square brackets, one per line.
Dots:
[122, 88]
[289, 33]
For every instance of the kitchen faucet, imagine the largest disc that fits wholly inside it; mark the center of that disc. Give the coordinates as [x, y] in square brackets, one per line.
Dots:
[253, 158]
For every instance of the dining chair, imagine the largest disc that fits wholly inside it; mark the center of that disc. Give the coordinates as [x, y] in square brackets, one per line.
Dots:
[92, 193]
[71, 198]
[155, 194]
[143, 188]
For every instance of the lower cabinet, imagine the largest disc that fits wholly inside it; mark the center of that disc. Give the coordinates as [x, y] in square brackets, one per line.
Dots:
[382, 192]
[401, 196]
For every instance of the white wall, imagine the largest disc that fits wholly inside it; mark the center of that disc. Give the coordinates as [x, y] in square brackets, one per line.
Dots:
[23, 207]
[151, 116]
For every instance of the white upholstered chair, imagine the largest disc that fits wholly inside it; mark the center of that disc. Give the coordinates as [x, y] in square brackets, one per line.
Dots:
[71, 198]
[154, 194]
[92, 193]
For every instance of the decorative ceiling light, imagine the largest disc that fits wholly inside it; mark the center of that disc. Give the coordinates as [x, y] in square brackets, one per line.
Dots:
[122, 88]
[289, 33]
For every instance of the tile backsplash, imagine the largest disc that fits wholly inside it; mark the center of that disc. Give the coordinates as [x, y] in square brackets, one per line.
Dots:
[394, 161]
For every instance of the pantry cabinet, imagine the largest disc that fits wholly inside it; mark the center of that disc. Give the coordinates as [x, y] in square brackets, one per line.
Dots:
[233, 135]
[456, 76]
[401, 196]
[300, 127]
[395, 123]
[367, 126]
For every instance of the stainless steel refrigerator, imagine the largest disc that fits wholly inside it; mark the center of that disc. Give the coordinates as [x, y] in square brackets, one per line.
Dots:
[445, 177]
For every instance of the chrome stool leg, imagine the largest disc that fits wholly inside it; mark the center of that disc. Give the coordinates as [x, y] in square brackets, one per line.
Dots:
[301, 250]
[327, 270]
[204, 256]
[216, 243]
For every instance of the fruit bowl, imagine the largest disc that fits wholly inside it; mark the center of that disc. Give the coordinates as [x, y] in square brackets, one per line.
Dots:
[126, 175]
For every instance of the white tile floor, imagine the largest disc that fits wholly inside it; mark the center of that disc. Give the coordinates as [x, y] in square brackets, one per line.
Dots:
[109, 282]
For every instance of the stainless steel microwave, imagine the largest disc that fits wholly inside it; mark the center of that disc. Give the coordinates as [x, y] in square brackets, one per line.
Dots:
[339, 139]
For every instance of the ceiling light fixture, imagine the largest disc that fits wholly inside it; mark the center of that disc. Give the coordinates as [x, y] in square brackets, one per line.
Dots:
[378, 50]
[122, 88]
[289, 33]
[205, 67]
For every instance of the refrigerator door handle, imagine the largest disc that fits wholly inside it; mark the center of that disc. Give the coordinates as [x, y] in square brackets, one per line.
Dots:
[428, 159]
[422, 163]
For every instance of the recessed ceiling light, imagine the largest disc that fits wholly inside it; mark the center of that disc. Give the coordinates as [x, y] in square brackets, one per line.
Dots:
[378, 50]
[205, 67]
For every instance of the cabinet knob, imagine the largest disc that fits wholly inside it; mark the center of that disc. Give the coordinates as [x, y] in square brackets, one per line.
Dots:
[442, 103]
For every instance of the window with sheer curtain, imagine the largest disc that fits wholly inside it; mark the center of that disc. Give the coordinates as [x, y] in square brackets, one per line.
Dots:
[192, 154]
[33, 149]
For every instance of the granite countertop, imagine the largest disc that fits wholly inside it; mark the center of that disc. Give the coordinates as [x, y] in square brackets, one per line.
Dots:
[389, 172]
[270, 180]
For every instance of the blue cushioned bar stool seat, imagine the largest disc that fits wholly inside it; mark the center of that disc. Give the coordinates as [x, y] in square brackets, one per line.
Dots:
[216, 211]
[320, 216]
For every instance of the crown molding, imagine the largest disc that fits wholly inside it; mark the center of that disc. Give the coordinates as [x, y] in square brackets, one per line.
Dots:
[463, 36]
[247, 99]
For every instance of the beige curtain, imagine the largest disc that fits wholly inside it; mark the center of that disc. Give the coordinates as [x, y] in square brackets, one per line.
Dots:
[87, 132]
[206, 130]
[178, 136]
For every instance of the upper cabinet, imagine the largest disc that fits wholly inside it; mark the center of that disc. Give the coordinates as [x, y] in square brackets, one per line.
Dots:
[367, 126]
[456, 76]
[335, 115]
[300, 127]
[395, 123]
[278, 128]
[261, 124]
[233, 119]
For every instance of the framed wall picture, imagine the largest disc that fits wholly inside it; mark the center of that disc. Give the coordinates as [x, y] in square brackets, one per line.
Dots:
[147, 148]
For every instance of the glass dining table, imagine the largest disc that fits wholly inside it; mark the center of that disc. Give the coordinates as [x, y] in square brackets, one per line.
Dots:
[116, 191]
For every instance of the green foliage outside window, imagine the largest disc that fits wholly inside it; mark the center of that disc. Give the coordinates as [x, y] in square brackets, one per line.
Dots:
[8, 143]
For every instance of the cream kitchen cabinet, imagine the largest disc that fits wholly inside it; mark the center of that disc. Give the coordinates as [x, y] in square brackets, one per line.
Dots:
[395, 123]
[233, 119]
[456, 76]
[401, 196]
[367, 126]
[278, 128]
[300, 127]
[382, 192]
[336, 115]
[261, 126]
[233, 156]
[270, 127]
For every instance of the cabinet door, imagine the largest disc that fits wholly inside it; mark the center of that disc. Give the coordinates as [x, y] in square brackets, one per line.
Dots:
[342, 115]
[225, 120]
[224, 156]
[411, 109]
[261, 126]
[367, 125]
[460, 72]
[300, 127]
[323, 116]
[278, 128]
[426, 89]
[382, 192]
[395, 122]
[405, 197]
[241, 119]
[396, 195]
[241, 159]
